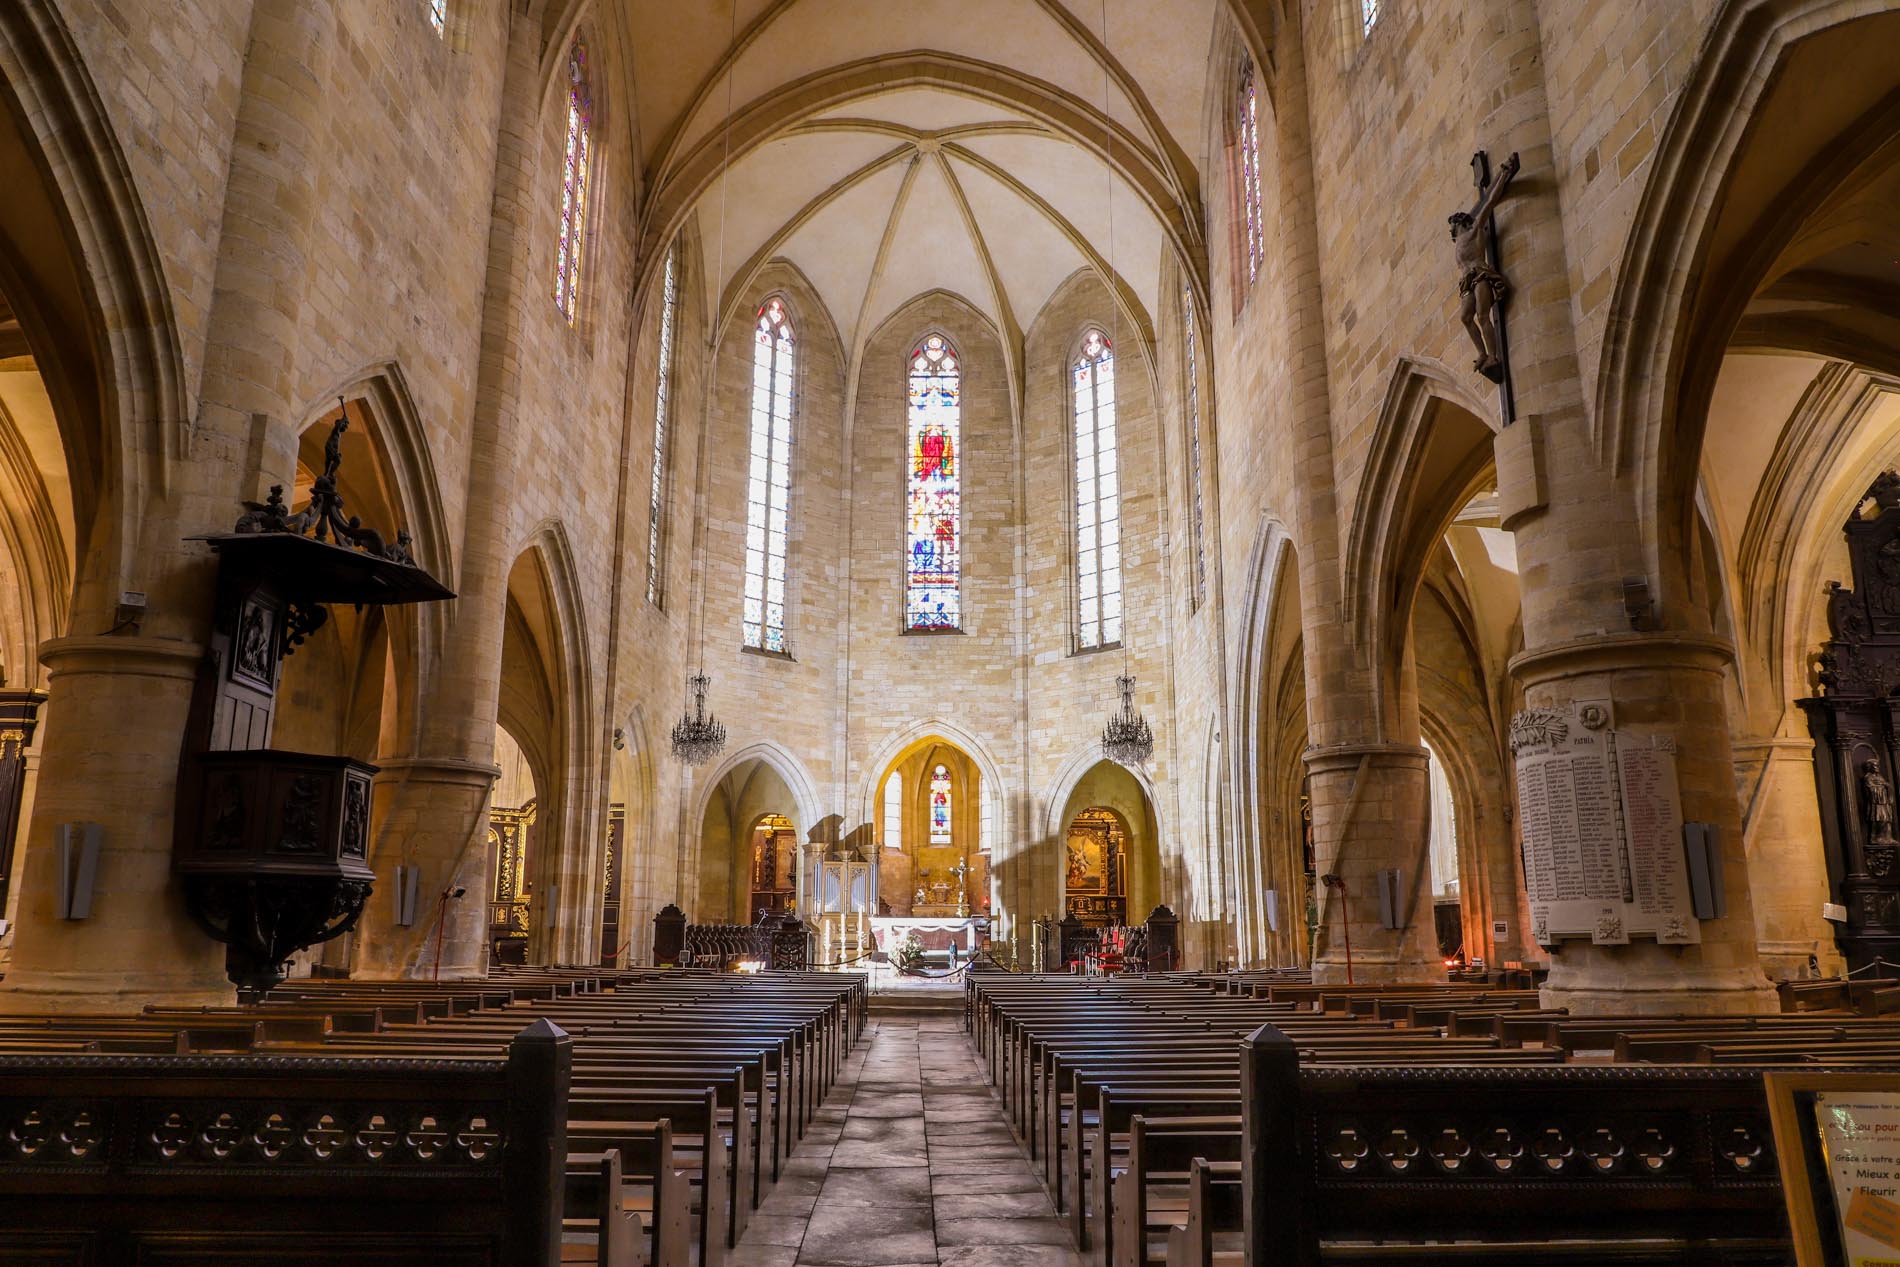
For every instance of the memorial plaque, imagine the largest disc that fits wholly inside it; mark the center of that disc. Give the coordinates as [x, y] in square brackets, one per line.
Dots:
[1602, 829]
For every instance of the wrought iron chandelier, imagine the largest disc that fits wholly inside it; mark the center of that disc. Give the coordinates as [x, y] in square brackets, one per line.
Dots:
[698, 738]
[1127, 739]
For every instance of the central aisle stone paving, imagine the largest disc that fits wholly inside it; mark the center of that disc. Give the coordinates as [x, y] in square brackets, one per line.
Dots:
[909, 1162]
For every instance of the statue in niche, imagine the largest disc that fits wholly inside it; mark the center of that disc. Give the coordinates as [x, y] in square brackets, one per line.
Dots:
[1482, 286]
[1876, 795]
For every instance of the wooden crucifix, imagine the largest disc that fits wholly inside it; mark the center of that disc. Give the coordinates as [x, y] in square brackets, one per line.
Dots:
[1482, 287]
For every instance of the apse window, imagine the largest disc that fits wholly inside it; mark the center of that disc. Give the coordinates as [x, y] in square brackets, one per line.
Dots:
[1247, 172]
[1369, 14]
[940, 833]
[574, 164]
[662, 423]
[893, 812]
[769, 479]
[439, 17]
[1098, 542]
[933, 563]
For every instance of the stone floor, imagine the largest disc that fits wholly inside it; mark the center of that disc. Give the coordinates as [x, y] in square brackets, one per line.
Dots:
[909, 1162]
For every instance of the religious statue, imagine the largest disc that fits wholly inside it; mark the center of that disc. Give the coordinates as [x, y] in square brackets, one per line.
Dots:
[920, 898]
[1876, 795]
[1481, 286]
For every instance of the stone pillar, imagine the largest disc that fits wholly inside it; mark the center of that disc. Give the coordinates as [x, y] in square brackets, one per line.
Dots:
[1669, 684]
[118, 705]
[1787, 867]
[444, 814]
[1369, 794]
[1579, 524]
[431, 814]
[138, 946]
[1370, 806]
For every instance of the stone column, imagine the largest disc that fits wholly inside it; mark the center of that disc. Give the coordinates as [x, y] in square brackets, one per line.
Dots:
[445, 813]
[1787, 868]
[1579, 526]
[118, 704]
[1352, 762]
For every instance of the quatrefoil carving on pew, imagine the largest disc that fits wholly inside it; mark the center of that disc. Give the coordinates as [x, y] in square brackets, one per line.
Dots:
[273, 1136]
[478, 1139]
[1604, 1150]
[31, 1133]
[376, 1137]
[1347, 1149]
[325, 1138]
[1653, 1150]
[222, 1135]
[173, 1135]
[427, 1138]
[82, 1135]
[1741, 1147]
[1450, 1150]
[1398, 1150]
[1502, 1149]
[1553, 1148]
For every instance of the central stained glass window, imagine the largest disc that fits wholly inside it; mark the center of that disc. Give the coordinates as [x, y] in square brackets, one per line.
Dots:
[933, 564]
[768, 486]
[940, 806]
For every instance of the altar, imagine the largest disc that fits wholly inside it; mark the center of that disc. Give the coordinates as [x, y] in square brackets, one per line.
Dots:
[965, 934]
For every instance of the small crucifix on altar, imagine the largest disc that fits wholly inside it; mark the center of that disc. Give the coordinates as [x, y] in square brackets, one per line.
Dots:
[962, 872]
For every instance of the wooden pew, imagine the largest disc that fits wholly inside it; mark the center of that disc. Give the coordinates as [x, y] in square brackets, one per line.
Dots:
[186, 1160]
[1455, 1165]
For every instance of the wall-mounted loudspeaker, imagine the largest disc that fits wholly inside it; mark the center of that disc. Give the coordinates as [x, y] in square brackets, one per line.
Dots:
[78, 868]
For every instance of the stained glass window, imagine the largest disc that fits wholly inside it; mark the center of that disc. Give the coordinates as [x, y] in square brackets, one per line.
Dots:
[1192, 363]
[567, 261]
[769, 483]
[940, 806]
[1369, 12]
[1098, 529]
[986, 825]
[439, 16]
[893, 812]
[662, 421]
[1248, 139]
[933, 565]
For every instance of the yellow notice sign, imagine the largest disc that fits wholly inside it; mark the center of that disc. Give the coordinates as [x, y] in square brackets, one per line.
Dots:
[1860, 1136]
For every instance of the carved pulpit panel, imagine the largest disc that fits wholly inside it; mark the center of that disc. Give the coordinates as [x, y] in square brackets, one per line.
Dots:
[1855, 721]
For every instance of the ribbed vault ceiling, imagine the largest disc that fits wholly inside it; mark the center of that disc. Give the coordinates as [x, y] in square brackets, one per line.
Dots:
[990, 148]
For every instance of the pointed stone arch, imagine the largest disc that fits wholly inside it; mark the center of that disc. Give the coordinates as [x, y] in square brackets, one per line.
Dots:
[105, 336]
[1431, 444]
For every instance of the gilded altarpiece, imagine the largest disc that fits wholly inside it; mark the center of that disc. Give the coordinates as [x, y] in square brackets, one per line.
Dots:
[509, 832]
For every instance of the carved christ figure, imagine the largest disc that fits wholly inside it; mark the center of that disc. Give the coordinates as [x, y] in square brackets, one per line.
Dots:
[1876, 796]
[1481, 287]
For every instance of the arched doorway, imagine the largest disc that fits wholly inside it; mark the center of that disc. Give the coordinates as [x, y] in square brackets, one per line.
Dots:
[1107, 868]
[935, 834]
[752, 814]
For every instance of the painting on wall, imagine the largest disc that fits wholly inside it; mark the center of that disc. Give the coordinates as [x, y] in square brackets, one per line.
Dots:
[1093, 841]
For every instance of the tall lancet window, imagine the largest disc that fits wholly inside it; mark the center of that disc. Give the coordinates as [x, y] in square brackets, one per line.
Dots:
[1098, 527]
[575, 160]
[662, 424]
[1191, 362]
[768, 485]
[940, 806]
[894, 812]
[1369, 14]
[1247, 171]
[933, 564]
[439, 17]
